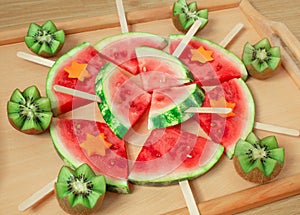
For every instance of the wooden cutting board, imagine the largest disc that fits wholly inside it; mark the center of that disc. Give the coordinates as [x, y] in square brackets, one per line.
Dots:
[29, 162]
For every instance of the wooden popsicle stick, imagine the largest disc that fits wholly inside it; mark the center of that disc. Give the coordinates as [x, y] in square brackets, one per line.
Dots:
[37, 196]
[76, 93]
[276, 129]
[234, 31]
[35, 59]
[189, 198]
[122, 17]
[186, 39]
[208, 110]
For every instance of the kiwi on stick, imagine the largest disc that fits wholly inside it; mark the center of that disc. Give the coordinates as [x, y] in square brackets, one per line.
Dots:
[80, 190]
[28, 112]
[185, 15]
[261, 60]
[258, 161]
[44, 40]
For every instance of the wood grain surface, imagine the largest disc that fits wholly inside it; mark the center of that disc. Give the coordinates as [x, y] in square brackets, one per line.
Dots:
[15, 169]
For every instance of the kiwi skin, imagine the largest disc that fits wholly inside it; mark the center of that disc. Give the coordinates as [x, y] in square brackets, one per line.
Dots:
[268, 72]
[256, 176]
[78, 209]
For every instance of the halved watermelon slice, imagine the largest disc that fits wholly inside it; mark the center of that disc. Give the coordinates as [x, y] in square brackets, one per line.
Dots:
[228, 129]
[159, 69]
[170, 155]
[168, 105]
[120, 49]
[83, 57]
[75, 142]
[123, 102]
[211, 64]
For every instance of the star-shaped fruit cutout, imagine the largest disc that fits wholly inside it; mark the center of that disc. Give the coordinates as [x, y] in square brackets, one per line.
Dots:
[78, 70]
[201, 55]
[95, 144]
[221, 103]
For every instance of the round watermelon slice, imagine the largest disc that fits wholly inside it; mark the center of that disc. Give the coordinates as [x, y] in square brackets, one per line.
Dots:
[171, 155]
[228, 129]
[120, 49]
[209, 62]
[122, 101]
[168, 105]
[158, 69]
[74, 141]
[83, 57]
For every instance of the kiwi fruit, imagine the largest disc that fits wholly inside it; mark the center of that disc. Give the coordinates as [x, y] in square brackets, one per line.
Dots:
[44, 40]
[184, 15]
[261, 59]
[28, 112]
[80, 190]
[258, 160]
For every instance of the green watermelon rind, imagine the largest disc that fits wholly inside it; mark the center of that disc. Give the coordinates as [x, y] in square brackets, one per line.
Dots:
[53, 71]
[113, 185]
[225, 52]
[176, 115]
[181, 70]
[100, 45]
[174, 178]
[119, 128]
[249, 123]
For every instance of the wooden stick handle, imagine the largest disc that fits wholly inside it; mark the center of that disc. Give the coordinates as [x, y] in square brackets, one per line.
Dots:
[76, 93]
[249, 198]
[122, 16]
[36, 59]
[37, 196]
[276, 129]
[189, 198]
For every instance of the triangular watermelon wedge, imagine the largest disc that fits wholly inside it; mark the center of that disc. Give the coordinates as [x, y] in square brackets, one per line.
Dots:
[158, 69]
[170, 155]
[123, 102]
[83, 55]
[120, 49]
[220, 65]
[69, 137]
[228, 129]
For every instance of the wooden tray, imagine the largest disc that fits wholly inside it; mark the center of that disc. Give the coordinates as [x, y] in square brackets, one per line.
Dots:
[29, 162]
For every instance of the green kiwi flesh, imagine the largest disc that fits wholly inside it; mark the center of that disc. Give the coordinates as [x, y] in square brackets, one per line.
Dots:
[28, 112]
[258, 161]
[184, 15]
[44, 40]
[80, 190]
[261, 59]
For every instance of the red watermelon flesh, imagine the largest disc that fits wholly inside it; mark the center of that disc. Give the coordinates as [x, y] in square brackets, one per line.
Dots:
[120, 49]
[224, 66]
[226, 130]
[74, 132]
[60, 102]
[169, 155]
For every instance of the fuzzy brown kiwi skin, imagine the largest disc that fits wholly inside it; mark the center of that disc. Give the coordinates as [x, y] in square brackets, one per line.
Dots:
[268, 72]
[78, 209]
[31, 131]
[48, 55]
[256, 176]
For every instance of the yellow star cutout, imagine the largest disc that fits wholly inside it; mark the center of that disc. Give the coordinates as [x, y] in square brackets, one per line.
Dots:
[201, 55]
[78, 70]
[95, 144]
[221, 102]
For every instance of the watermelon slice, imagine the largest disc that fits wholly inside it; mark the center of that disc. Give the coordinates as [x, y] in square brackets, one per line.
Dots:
[120, 49]
[123, 102]
[168, 105]
[170, 155]
[211, 64]
[159, 69]
[82, 55]
[69, 137]
[228, 129]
